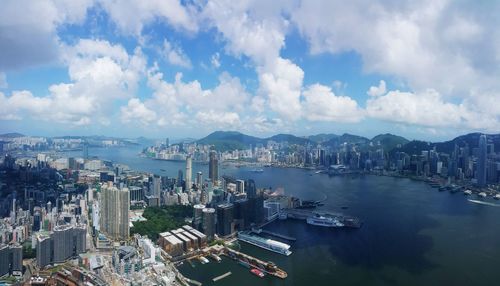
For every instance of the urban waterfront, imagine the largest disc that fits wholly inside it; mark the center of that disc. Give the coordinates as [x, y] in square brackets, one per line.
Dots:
[412, 234]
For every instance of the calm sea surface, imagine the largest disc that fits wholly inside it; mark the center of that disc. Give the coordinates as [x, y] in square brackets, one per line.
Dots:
[412, 234]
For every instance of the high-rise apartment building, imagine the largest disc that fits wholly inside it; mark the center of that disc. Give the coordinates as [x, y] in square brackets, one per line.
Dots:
[115, 204]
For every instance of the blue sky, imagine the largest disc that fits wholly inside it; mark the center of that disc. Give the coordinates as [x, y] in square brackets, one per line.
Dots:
[426, 70]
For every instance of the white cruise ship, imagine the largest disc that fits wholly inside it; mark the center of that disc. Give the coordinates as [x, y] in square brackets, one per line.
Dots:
[324, 221]
[269, 244]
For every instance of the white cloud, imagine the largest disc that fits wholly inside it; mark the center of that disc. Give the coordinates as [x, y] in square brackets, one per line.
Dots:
[218, 120]
[28, 24]
[428, 109]
[131, 16]
[175, 55]
[282, 84]
[321, 104]
[136, 110]
[215, 60]
[99, 72]
[187, 103]
[377, 90]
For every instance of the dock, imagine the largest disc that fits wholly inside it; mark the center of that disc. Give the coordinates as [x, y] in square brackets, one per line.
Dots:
[252, 262]
[275, 234]
[221, 276]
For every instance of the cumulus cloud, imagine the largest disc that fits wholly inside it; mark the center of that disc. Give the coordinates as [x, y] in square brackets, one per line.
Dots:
[427, 109]
[29, 24]
[282, 84]
[377, 90]
[218, 120]
[321, 104]
[187, 103]
[131, 16]
[99, 72]
[136, 110]
[175, 55]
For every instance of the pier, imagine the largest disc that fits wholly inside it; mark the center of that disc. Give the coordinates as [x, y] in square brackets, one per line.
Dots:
[252, 262]
[278, 235]
[221, 276]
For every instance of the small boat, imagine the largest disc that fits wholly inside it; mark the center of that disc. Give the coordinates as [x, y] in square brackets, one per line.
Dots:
[467, 192]
[257, 272]
[482, 194]
[497, 197]
[344, 207]
[203, 260]
[215, 257]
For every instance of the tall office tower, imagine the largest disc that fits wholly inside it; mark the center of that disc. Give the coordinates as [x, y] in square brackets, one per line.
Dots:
[85, 150]
[189, 172]
[198, 217]
[240, 186]
[213, 167]
[180, 178]
[115, 204]
[481, 162]
[241, 214]
[225, 219]
[209, 223]
[156, 186]
[167, 143]
[250, 188]
[199, 179]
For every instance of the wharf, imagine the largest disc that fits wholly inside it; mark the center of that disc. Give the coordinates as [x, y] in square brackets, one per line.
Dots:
[252, 262]
[221, 276]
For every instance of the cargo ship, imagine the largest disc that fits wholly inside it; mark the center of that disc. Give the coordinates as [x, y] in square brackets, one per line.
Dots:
[265, 243]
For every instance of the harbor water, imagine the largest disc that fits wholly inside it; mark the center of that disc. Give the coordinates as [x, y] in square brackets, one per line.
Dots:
[412, 234]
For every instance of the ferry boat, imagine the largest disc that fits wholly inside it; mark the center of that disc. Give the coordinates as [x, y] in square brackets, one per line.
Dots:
[257, 272]
[265, 243]
[324, 221]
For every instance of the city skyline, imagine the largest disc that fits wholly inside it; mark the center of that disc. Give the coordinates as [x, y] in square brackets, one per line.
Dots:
[188, 69]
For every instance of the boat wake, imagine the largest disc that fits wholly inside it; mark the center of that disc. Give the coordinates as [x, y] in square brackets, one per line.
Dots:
[484, 203]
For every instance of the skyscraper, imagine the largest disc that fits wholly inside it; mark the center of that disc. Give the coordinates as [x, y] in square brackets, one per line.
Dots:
[209, 223]
[213, 167]
[199, 179]
[481, 162]
[115, 204]
[225, 217]
[189, 172]
[156, 186]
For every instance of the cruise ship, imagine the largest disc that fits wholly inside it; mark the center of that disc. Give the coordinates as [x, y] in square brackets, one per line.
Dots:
[324, 221]
[268, 244]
